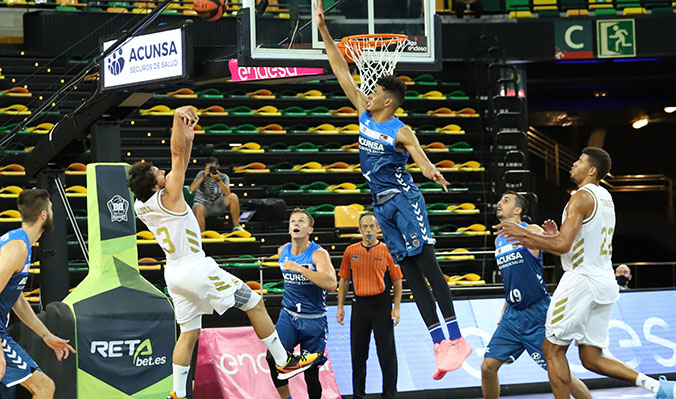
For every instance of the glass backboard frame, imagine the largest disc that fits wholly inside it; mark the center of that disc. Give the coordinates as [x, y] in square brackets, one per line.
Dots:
[251, 54]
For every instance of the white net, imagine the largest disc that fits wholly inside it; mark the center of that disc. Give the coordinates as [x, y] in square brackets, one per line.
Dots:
[375, 56]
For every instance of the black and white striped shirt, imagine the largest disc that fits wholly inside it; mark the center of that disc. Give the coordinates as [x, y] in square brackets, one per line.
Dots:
[209, 190]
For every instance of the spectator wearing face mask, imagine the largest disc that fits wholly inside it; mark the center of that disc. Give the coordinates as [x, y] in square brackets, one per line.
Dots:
[623, 275]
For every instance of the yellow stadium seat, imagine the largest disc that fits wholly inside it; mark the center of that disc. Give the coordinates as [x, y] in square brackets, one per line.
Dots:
[597, 4]
[520, 14]
[346, 216]
[634, 11]
[544, 5]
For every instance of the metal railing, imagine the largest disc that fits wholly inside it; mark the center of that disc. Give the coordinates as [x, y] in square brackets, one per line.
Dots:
[559, 158]
[639, 272]
[556, 156]
[644, 183]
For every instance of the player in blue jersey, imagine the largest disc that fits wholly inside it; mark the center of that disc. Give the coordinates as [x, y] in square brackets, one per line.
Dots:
[16, 366]
[308, 275]
[385, 144]
[522, 325]
[582, 302]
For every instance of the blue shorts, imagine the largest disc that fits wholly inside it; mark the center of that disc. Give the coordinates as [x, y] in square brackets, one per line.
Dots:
[310, 333]
[20, 366]
[520, 330]
[403, 220]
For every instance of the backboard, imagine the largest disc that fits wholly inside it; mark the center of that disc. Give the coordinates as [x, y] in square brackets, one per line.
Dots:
[284, 34]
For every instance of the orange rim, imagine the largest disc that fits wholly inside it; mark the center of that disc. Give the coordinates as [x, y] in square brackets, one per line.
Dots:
[369, 40]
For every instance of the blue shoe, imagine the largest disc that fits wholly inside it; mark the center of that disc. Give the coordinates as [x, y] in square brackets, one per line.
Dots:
[667, 389]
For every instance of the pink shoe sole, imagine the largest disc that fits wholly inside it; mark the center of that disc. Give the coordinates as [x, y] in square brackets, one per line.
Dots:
[455, 358]
[438, 374]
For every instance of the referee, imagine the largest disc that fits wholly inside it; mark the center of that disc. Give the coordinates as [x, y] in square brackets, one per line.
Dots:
[372, 309]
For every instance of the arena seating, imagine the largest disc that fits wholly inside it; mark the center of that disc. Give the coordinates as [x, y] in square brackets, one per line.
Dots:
[295, 142]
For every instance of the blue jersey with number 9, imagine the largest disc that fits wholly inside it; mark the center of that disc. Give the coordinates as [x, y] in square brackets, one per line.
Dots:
[521, 273]
[300, 294]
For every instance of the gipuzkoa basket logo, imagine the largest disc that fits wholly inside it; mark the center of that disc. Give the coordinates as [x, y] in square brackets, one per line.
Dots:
[118, 208]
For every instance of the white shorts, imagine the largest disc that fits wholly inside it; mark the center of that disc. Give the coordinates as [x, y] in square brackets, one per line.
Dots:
[573, 314]
[197, 286]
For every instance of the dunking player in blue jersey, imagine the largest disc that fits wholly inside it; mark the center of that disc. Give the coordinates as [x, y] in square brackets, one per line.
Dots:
[16, 367]
[385, 144]
[522, 325]
[308, 274]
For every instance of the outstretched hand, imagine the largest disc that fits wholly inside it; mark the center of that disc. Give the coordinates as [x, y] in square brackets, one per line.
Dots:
[60, 346]
[189, 118]
[319, 13]
[437, 177]
[511, 231]
[550, 228]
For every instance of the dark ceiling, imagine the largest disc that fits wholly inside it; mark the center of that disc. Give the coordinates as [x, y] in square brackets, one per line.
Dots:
[601, 93]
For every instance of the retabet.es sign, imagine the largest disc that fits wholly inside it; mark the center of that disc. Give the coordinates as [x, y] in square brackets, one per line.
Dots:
[141, 355]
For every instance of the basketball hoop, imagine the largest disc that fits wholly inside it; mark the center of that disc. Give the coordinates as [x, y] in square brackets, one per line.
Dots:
[375, 55]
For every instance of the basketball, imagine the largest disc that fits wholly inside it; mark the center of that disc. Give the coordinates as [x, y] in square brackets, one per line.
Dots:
[210, 10]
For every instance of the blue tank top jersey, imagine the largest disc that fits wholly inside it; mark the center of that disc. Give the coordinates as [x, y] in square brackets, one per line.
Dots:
[383, 166]
[17, 282]
[300, 294]
[521, 273]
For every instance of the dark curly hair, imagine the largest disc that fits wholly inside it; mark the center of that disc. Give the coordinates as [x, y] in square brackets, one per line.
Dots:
[393, 87]
[142, 180]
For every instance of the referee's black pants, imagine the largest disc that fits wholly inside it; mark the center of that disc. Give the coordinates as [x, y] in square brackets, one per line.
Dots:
[373, 313]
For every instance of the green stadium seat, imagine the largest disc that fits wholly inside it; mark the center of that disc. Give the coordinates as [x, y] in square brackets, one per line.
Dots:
[605, 11]
[622, 4]
[189, 195]
[491, 6]
[566, 5]
[517, 5]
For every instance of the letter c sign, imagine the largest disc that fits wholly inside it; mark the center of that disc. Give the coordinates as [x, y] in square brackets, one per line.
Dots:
[568, 37]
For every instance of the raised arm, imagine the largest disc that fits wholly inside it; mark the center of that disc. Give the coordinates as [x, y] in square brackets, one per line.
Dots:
[182, 136]
[408, 140]
[338, 64]
[579, 208]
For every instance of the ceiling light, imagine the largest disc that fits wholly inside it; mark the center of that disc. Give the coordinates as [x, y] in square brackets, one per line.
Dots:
[669, 110]
[640, 123]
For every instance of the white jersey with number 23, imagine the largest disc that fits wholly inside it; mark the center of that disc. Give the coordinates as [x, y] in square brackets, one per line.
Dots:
[592, 248]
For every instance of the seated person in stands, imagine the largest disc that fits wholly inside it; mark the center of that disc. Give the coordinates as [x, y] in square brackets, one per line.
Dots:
[213, 196]
[474, 5]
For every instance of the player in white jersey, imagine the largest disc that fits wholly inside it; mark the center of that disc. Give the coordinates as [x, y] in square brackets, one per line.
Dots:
[196, 284]
[580, 307]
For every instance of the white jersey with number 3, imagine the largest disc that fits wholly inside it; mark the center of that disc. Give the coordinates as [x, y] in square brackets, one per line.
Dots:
[592, 248]
[177, 233]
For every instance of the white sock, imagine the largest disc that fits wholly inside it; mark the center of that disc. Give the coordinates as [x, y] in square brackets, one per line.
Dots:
[276, 348]
[648, 383]
[180, 379]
